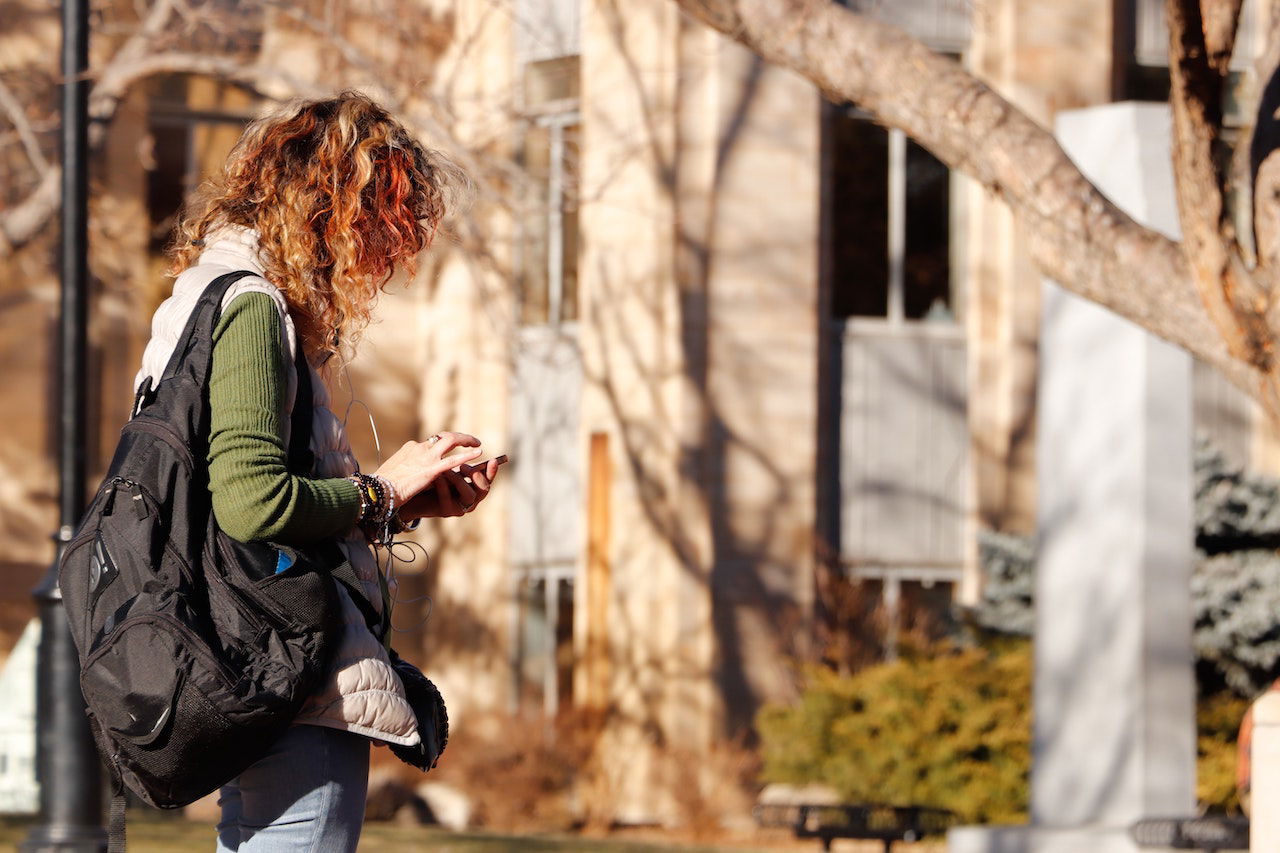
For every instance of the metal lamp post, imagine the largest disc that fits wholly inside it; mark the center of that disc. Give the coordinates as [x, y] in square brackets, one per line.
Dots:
[67, 763]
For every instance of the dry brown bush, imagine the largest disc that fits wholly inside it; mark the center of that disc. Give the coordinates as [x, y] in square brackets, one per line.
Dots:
[528, 773]
[714, 790]
[522, 772]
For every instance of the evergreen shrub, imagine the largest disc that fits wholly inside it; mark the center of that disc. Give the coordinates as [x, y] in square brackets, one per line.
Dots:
[950, 731]
[953, 730]
[1218, 723]
[1235, 585]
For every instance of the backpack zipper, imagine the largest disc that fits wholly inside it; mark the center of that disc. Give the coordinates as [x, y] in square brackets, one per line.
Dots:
[192, 642]
[106, 493]
[262, 602]
[237, 601]
[167, 434]
[144, 503]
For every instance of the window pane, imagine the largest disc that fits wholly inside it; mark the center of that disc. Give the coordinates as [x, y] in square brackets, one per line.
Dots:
[550, 80]
[926, 610]
[569, 226]
[927, 265]
[941, 24]
[859, 217]
[534, 654]
[534, 227]
[564, 642]
[167, 182]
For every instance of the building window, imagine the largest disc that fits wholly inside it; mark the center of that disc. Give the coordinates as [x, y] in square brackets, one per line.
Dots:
[893, 609]
[890, 225]
[548, 254]
[193, 125]
[545, 656]
[547, 39]
[944, 25]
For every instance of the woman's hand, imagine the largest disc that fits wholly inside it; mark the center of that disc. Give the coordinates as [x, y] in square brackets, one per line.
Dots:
[455, 492]
[418, 465]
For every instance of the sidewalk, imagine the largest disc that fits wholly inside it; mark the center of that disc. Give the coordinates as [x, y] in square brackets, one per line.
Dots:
[170, 835]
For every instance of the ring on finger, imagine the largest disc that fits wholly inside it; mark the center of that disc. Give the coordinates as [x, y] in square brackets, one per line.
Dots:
[433, 439]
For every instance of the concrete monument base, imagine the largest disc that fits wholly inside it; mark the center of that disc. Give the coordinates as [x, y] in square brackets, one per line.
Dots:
[1042, 839]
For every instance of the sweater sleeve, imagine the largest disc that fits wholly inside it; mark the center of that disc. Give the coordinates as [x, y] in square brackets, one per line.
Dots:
[254, 495]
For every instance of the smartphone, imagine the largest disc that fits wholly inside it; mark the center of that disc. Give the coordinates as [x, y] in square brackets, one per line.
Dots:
[481, 464]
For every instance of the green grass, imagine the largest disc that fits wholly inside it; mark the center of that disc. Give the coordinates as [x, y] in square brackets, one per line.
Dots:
[174, 835]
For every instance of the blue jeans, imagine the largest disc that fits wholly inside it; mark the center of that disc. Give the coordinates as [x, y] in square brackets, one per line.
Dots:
[306, 795]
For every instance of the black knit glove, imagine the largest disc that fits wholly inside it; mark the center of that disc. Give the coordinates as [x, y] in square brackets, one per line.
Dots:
[428, 707]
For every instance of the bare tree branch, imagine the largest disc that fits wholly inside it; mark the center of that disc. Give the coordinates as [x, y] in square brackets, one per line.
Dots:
[1076, 235]
[24, 220]
[18, 118]
[1221, 24]
[1258, 152]
[119, 73]
[434, 122]
[1235, 305]
[1240, 186]
[148, 53]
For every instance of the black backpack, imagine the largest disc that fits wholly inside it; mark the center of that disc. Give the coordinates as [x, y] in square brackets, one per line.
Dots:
[195, 652]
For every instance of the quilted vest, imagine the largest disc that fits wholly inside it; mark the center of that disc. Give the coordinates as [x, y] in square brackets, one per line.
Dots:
[362, 693]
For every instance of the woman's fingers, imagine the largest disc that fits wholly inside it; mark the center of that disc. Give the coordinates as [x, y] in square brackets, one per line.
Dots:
[448, 441]
[418, 465]
[478, 477]
[445, 501]
[419, 480]
[462, 487]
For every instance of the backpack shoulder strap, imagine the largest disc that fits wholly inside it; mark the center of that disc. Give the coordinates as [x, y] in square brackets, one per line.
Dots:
[194, 353]
[195, 345]
[301, 459]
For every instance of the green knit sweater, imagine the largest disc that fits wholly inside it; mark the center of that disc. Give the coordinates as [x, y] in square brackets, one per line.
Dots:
[254, 495]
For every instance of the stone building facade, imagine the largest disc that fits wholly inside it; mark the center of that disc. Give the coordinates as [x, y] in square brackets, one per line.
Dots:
[743, 347]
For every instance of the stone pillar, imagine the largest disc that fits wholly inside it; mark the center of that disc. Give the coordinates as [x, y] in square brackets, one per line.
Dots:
[1114, 688]
[1114, 699]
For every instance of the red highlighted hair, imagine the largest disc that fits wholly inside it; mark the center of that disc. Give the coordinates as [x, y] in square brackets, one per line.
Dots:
[341, 197]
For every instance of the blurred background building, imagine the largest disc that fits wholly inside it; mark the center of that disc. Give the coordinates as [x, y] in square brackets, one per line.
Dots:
[764, 368]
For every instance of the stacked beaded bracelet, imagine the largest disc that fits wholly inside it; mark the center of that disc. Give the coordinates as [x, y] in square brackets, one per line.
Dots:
[377, 500]
[378, 516]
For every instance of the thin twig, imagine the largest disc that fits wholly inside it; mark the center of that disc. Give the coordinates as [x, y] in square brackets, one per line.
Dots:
[22, 124]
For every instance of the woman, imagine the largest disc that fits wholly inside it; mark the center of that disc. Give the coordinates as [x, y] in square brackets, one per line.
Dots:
[324, 201]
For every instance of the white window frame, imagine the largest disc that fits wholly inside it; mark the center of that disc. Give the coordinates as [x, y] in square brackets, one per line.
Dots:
[551, 576]
[556, 121]
[894, 320]
[892, 577]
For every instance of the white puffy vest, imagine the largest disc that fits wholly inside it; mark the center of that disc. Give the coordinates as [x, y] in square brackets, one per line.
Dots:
[362, 693]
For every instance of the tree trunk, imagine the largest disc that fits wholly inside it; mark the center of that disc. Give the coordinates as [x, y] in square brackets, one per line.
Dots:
[1076, 236]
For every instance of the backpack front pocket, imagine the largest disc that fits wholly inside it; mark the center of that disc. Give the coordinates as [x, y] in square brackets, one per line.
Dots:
[132, 683]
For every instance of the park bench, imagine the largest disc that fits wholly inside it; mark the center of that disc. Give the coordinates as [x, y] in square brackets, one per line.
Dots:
[857, 821]
[1192, 833]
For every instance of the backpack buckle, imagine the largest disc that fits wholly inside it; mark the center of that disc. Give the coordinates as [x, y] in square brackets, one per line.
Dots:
[142, 397]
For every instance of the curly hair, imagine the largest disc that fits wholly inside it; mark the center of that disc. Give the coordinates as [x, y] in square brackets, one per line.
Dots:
[341, 197]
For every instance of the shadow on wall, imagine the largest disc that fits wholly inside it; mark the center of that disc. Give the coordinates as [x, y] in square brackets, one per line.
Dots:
[747, 592]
